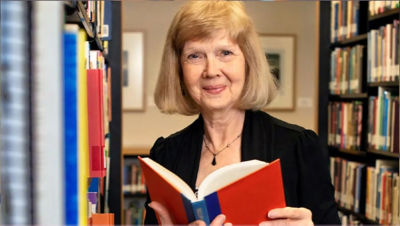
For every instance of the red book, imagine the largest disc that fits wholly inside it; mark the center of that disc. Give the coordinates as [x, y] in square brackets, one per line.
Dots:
[244, 192]
[96, 122]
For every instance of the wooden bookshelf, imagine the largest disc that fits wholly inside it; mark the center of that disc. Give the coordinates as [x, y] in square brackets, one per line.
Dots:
[386, 84]
[358, 215]
[135, 195]
[350, 96]
[351, 41]
[135, 151]
[390, 13]
[383, 153]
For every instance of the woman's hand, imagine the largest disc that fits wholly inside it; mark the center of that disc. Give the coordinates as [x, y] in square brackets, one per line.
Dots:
[165, 218]
[289, 216]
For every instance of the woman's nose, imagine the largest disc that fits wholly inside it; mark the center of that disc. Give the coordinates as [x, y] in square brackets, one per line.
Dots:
[211, 67]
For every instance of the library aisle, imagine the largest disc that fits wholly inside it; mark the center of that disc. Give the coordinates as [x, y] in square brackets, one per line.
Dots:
[60, 113]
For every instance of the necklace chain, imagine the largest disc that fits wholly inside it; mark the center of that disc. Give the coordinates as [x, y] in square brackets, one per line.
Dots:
[214, 162]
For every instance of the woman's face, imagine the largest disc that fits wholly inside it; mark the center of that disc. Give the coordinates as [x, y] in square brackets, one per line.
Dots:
[213, 71]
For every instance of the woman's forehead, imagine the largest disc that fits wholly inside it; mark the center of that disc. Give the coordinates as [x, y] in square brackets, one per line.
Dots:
[220, 37]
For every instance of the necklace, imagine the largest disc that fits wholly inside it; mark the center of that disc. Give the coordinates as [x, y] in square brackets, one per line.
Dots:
[214, 161]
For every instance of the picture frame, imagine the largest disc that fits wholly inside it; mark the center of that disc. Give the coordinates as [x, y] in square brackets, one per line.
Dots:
[280, 51]
[133, 87]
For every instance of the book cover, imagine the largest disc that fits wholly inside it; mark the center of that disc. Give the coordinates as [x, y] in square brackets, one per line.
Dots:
[95, 119]
[244, 192]
[70, 125]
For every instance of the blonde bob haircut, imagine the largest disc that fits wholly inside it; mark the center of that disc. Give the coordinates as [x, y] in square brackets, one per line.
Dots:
[200, 20]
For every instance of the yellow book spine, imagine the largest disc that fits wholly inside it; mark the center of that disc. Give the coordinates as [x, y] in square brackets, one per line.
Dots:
[83, 131]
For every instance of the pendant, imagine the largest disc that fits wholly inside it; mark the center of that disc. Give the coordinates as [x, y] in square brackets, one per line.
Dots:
[214, 162]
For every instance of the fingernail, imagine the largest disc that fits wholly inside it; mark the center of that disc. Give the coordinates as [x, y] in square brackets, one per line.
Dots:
[223, 217]
[228, 224]
[149, 204]
[271, 214]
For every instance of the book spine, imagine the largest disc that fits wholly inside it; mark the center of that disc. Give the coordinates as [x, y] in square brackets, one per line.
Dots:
[189, 209]
[70, 125]
[213, 205]
[200, 211]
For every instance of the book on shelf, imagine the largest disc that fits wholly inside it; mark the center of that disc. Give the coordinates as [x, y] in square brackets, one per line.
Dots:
[104, 219]
[369, 190]
[383, 53]
[345, 124]
[133, 180]
[244, 192]
[96, 122]
[47, 114]
[346, 70]
[379, 7]
[382, 192]
[344, 19]
[383, 121]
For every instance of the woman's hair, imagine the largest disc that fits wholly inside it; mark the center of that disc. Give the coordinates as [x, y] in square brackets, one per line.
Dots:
[200, 20]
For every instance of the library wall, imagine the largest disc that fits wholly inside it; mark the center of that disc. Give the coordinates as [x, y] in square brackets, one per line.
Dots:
[141, 129]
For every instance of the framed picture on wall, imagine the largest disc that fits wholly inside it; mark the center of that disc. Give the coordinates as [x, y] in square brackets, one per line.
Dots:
[133, 98]
[280, 51]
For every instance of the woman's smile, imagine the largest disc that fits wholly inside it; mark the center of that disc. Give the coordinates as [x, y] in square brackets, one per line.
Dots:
[214, 89]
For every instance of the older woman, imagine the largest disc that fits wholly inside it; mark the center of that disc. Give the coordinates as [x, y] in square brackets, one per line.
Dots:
[213, 66]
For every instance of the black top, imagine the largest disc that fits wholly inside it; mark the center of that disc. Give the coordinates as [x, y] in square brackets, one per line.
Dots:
[305, 164]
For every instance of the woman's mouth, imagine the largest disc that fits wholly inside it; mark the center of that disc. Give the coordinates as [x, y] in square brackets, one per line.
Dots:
[214, 89]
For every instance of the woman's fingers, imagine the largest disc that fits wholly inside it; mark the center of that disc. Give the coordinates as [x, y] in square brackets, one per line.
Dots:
[198, 223]
[289, 216]
[218, 220]
[290, 212]
[162, 213]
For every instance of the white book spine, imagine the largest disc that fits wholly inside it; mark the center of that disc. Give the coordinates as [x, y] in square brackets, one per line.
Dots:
[48, 112]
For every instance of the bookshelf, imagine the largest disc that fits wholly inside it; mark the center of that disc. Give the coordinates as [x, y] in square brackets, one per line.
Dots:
[134, 192]
[374, 163]
[55, 159]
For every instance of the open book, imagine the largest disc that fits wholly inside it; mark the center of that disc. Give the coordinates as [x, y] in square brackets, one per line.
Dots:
[244, 192]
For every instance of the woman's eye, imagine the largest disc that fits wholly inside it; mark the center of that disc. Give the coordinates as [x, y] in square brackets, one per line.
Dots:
[193, 56]
[226, 53]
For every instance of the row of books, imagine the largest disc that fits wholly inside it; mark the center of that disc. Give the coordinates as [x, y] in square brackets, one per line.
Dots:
[100, 14]
[370, 190]
[85, 123]
[54, 119]
[378, 7]
[383, 53]
[383, 192]
[348, 179]
[134, 214]
[344, 19]
[349, 219]
[383, 121]
[133, 179]
[346, 70]
[345, 124]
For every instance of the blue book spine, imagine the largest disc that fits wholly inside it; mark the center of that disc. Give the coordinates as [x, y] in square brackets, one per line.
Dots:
[107, 34]
[386, 118]
[94, 185]
[336, 22]
[188, 208]
[70, 125]
[200, 211]
[213, 205]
